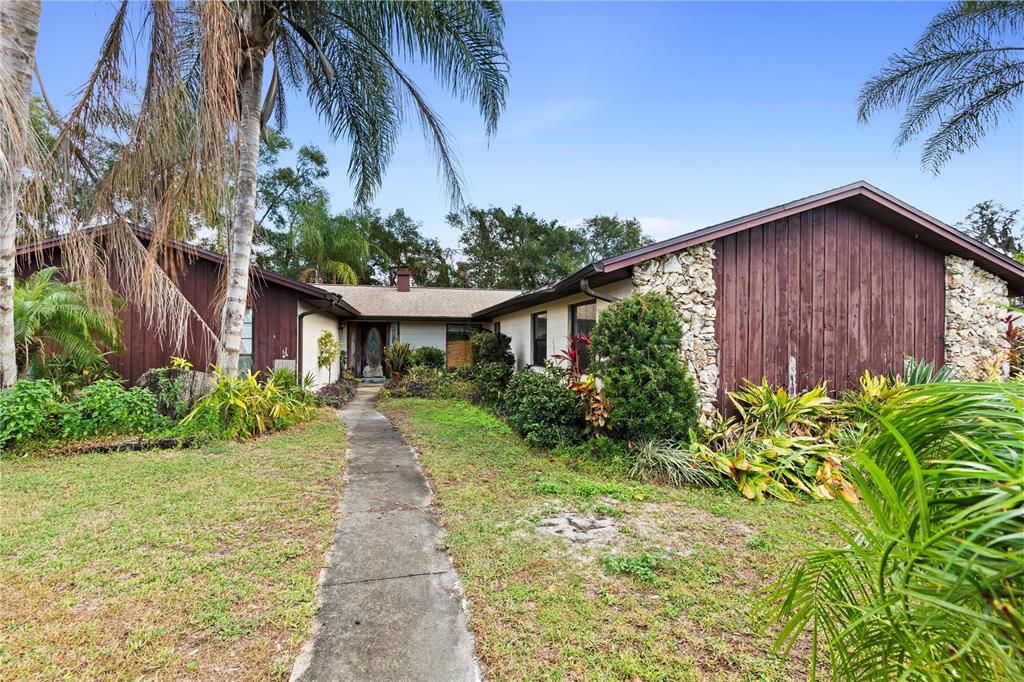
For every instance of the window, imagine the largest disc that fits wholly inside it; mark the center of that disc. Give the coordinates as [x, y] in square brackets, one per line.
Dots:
[462, 332]
[539, 325]
[245, 364]
[582, 318]
[497, 327]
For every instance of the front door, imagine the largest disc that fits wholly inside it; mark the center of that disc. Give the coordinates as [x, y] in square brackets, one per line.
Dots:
[372, 360]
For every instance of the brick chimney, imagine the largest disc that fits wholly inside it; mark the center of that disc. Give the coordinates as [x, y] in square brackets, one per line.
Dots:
[404, 277]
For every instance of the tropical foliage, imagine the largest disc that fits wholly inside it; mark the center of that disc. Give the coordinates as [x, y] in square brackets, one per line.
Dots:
[54, 320]
[428, 356]
[929, 583]
[105, 407]
[961, 77]
[244, 407]
[328, 349]
[778, 444]
[397, 357]
[29, 411]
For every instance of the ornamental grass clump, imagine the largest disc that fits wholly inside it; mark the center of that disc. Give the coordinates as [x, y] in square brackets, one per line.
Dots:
[635, 346]
[928, 583]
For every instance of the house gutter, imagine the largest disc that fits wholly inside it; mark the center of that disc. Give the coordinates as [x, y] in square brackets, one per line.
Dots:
[585, 288]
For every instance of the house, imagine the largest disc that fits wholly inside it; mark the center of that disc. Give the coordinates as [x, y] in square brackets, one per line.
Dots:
[421, 316]
[818, 289]
[286, 317]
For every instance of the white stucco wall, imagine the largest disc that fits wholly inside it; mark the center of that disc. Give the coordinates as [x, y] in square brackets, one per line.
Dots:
[312, 327]
[517, 325]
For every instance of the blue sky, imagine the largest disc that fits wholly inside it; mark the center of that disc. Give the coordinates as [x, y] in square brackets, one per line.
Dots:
[681, 114]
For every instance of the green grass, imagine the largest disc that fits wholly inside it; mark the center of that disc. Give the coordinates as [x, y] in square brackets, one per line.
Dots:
[197, 564]
[669, 599]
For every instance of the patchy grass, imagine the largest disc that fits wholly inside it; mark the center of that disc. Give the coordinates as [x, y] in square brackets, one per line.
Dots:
[181, 564]
[669, 599]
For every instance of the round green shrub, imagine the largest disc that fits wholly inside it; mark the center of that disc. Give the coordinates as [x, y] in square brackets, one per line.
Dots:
[635, 346]
[428, 356]
[489, 380]
[542, 410]
[106, 407]
[27, 411]
[486, 347]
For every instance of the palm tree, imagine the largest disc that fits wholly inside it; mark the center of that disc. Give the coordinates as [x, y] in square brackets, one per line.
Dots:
[346, 57]
[329, 249]
[963, 75]
[928, 581]
[19, 28]
[50, 315]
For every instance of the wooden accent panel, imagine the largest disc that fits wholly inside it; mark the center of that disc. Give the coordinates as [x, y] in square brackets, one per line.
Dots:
[822, 296]
[457, 353]
[275, 321]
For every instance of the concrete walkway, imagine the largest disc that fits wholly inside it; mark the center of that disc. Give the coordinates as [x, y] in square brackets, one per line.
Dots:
[391, 603]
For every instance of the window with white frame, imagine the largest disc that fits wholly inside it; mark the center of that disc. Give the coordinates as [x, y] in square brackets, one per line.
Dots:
[245, 363]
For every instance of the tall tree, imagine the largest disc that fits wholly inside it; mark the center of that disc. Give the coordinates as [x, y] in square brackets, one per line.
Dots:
[19, 29]
[996, 225]
[517, 250]
[963, 75]
[610, 235]
[396, 240]
[346, 55]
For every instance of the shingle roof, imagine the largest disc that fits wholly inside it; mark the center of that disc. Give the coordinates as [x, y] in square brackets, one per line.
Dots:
[419, 302]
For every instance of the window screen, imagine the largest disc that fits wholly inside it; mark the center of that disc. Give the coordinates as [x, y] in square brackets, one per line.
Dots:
[245, 363]
[582, 318]
[540, 338]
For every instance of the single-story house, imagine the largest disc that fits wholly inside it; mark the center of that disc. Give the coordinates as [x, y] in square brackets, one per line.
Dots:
[421, 316]
[286, 317]
[817, 289]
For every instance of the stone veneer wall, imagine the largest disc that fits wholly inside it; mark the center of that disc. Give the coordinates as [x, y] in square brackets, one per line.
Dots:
[687, 277]
[975, 320]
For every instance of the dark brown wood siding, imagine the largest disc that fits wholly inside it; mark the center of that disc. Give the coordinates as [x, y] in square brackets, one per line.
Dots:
[275, 320]
[822, 296]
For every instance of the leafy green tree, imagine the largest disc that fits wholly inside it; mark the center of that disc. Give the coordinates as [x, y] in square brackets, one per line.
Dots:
[395, 241]
[515, 249]
[964, 74]
[50, 315]
[996, 225]
[607, 236]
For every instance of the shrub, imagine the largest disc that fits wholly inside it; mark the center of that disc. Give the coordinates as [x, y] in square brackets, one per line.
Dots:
[486, 347]
[244, 407]
[27, 413]
[338, 393]
[106, 407]
[778, 444]
[489, 380]
[428, 356]
[328, 349]
[397, 357]
[542, 410]
[635, 346]
[667, 461]
[927, 583]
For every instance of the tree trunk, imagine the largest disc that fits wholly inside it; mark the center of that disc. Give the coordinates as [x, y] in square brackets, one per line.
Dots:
[19, 29]
[239, 254]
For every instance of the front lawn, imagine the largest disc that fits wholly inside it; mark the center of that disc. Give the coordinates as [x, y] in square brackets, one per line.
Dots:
[184, 564]
[667, 596]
